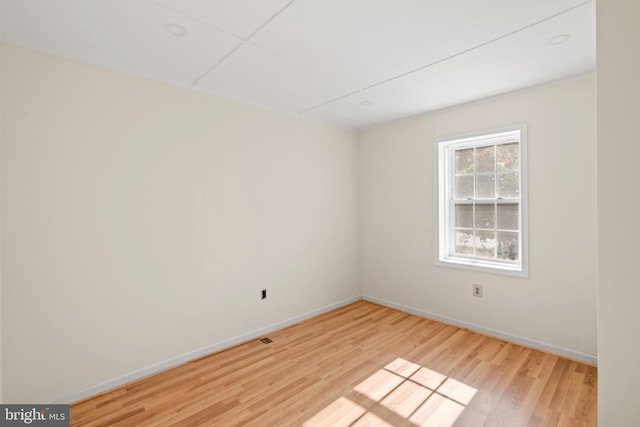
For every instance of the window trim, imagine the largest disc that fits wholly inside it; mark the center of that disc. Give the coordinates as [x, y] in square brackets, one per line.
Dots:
[440, 221]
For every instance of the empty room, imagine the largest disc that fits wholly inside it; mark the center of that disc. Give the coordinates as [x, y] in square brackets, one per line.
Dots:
[319, 213]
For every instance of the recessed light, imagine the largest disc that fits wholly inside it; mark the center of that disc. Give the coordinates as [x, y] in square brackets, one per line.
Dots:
[554, 41]
[175, 29]
[366, 103]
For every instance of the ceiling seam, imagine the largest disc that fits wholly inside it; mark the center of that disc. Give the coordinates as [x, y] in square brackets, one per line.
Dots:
[330, 101]
[526, 27]
[243, 41]
[268, 21]
[224, 58]
[451, 56]
[293, 61]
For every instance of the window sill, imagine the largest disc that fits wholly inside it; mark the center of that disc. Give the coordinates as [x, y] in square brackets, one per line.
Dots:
[484, 266]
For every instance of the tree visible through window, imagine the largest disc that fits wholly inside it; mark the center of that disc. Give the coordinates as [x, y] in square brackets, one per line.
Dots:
[480, 200]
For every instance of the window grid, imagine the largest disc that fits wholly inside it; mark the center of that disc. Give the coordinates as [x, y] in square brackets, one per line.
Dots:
[494, 231]
[478, 200]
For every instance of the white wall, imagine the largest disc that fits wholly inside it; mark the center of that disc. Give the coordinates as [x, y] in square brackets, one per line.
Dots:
[556, 305]
[141, 220]
[2, 57]
[618, 97]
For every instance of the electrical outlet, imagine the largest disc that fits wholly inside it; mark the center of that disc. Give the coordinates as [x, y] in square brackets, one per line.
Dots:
[477, 291]
[264, 294]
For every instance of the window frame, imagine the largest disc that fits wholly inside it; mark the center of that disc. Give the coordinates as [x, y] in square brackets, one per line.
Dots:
[444, 226]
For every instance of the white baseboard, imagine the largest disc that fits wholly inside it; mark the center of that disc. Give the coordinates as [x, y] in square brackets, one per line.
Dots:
[589, 358]
[132, 376]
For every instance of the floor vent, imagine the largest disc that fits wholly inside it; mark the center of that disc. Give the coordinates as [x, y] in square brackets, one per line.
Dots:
[266, 340]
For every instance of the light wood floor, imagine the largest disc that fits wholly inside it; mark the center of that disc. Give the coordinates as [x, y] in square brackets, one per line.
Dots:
[360, 365]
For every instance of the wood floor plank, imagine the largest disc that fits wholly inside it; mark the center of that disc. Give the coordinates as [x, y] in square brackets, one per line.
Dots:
[359, 365]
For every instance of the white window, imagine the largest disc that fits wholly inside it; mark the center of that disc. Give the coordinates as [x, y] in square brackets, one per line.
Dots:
[481, 209]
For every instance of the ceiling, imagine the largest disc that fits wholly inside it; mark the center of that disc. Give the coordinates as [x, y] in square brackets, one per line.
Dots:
[354, 63]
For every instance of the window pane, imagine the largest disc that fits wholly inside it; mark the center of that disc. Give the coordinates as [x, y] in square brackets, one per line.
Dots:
[485, 216]
[508, 156]
[485, 159]
[486, 186]
[464, 187]
[508, 216]
[464, 242]
[485, 244]
[464, 161]
[464, 216]
[509, 184]
[508, 245]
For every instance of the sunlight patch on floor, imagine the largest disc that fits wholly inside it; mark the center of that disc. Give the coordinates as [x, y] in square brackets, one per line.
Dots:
[342, 412]
[371, 420]
[379, 384]
[418, 394]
